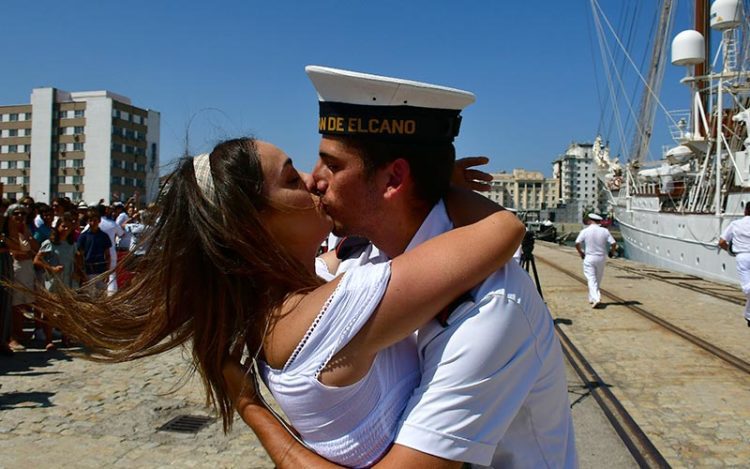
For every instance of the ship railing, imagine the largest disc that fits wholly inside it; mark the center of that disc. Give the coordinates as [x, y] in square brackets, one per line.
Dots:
[680, 123]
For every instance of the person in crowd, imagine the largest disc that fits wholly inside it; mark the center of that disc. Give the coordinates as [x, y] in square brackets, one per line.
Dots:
[6, 276]
[736, 240]
[60, 206]
[230, 261]
[493, 389]
[593, 243]
[82, 221]
[22, 248]
[57, 257]
[43, 229]
[128, 243]
[112, 230]
[94, 245]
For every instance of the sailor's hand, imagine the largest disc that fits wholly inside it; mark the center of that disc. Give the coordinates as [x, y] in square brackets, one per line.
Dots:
[472, 179]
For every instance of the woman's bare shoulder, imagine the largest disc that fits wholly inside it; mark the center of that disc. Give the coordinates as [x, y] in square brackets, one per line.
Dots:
[292, 320]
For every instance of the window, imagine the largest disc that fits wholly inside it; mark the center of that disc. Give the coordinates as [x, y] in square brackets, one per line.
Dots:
[76, 195]
[25, 180]
[78, 146]
[116, 113]
[55, 164]
[78, 163]
[62, 114]
[27, 133]
[77, 179]
[136, 119]
[14, 117]
[28, 116]
[12, 164]
[12, 148]
[78, 129]
[12, 132]
[79, 113]
[11, 179]
[62, 147]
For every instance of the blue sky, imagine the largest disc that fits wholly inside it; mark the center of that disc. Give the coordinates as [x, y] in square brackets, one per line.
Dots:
[237, 67]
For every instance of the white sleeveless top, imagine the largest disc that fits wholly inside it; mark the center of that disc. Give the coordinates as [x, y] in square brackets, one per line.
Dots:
[352, 425]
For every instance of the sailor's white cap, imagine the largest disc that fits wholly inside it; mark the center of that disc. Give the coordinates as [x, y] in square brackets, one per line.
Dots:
[594, 216]
[374, 106]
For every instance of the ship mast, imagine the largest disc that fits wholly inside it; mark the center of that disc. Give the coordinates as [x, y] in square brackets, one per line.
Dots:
[645, 123]
[701, 69]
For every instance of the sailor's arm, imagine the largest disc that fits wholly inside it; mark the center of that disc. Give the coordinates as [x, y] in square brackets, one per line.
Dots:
[723, 244]
[580, 250]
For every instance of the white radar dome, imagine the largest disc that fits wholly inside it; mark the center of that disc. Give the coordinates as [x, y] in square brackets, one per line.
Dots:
[726, 14]
[688, 48]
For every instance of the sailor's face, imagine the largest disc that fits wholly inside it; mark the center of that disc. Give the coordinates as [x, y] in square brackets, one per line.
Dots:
[346, 193]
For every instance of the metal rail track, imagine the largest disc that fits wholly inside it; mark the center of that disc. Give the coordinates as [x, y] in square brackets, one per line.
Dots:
[680, 280]
[693, 339]
[639, 445]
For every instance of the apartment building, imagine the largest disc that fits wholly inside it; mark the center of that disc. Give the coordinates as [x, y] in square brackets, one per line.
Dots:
[524, 190]
[579, 184]
[88, 146]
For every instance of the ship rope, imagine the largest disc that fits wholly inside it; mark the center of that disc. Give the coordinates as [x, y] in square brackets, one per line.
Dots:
[652, 85]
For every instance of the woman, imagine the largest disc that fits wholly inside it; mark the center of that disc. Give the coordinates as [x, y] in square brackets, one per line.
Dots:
[22, 248]
[231, 260]
[6, 275]
[57, 258]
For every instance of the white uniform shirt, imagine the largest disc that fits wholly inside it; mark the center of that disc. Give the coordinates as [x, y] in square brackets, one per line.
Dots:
[738, 233]
[596, 240]
[494, 390]
[123, 240]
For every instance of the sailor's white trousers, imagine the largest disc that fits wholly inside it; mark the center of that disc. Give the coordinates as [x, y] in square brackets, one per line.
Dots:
[743, 269]
[593, 269]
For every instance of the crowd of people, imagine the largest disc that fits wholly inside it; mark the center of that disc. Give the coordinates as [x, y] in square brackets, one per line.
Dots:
[56, 245]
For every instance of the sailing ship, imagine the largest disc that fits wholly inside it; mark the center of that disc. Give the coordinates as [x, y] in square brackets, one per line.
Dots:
[671, 212]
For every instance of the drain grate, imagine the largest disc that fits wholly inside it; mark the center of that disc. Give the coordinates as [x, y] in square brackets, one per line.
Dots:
[186, 424]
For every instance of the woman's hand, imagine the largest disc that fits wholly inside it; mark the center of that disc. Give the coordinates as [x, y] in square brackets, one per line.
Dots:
[471, 179]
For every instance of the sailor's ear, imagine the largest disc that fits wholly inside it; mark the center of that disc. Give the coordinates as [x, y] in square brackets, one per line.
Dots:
[398, 174]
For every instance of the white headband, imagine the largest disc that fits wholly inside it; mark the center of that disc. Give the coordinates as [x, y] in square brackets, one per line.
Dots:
[202, 168]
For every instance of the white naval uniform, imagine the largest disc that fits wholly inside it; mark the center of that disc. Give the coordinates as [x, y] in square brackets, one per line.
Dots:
[597, 241]
[493, 388]
[738, 233]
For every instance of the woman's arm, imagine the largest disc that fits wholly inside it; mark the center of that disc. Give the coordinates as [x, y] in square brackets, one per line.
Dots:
[431, 276]
[42, 264]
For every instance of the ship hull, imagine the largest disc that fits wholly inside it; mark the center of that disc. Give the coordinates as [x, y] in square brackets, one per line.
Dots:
[686, 243]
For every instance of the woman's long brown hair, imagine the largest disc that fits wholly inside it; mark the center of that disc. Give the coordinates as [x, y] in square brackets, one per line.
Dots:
[210, 276]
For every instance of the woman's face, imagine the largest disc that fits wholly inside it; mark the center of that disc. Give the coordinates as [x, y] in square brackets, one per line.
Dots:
[293, 214]
[18, 217]
[48, 216]
[64, 228]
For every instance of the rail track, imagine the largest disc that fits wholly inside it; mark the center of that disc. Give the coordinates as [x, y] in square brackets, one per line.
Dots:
[636, 441]
[639, 445]
[727, 357]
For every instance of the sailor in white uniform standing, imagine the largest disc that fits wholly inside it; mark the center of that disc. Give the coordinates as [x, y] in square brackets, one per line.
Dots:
[596, 241]
[738, 234]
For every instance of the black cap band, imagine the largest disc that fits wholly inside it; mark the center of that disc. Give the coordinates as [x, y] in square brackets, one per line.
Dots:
[392, 123]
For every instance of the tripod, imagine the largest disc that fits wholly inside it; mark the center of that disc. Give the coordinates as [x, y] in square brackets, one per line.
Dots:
[527, 258]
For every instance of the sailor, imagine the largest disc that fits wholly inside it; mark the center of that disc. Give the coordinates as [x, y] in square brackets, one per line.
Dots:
[595, 240]
[493, 389]
[736, 240]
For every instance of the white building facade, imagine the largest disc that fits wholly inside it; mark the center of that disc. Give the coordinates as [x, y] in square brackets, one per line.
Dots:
[524, 190]
[579, 185]
[83, 145]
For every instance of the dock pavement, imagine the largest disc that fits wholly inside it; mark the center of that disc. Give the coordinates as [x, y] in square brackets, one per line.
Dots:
[59, 410]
